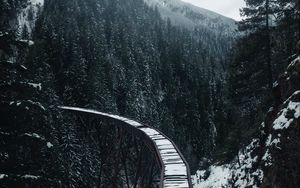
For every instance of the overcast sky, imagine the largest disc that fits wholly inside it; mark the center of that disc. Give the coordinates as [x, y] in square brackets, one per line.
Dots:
[229, 8]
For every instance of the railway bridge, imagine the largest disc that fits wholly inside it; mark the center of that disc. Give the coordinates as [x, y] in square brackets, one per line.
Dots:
[173, 169]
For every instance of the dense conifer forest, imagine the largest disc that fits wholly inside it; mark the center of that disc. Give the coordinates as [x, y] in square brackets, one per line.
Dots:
[207, 85]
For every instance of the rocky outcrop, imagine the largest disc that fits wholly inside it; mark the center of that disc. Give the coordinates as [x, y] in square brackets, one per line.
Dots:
[272, 160]
[283, 131]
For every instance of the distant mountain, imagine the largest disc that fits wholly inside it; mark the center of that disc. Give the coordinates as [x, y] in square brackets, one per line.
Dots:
[190, 16]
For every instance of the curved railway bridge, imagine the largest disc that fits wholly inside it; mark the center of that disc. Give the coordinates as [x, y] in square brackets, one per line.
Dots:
[173, 168]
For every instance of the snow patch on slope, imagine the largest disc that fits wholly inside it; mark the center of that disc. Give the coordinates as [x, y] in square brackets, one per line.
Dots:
[49, 145]
[236, 174]
[31, 177]
[287, 116]
[27, 17]
[243, 174]
[247, 169]
[36, 2]
[37, 86]
[218, 177]
[2, 176]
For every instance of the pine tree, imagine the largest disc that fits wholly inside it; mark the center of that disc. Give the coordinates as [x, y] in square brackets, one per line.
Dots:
[259, 18]
[121, 57]
[25, 147]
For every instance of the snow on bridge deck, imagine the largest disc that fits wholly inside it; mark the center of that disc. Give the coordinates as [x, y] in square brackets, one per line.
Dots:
[174, 168]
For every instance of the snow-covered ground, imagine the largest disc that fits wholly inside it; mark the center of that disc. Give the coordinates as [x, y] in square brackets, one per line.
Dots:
[246, 169]
[235, 173]
[283, 121]
[217, 178]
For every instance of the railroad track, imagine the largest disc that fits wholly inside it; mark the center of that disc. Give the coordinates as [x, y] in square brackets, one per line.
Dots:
[175, 171]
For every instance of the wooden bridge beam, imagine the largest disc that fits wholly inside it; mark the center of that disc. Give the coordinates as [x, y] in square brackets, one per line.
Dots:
[175, 171]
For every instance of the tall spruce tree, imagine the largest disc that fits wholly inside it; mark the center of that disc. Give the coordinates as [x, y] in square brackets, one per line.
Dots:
[25, 145]
[259, 17]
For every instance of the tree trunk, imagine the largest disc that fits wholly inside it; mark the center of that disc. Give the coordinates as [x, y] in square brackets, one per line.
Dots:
[298, 19]
[268, 46]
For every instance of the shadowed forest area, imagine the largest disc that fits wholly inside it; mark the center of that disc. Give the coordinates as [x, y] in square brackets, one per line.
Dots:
[225, 92]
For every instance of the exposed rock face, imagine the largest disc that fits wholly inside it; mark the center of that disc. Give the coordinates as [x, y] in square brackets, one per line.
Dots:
[276, 153]
[283, 126]
[292, 82]
[284, 134]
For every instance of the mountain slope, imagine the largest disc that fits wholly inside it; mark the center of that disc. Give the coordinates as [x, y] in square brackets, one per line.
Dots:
[190, 16]
[272, 158]
[119, 57]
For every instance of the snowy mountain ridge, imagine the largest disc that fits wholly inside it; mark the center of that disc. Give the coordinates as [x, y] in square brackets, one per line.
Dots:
[187, 15]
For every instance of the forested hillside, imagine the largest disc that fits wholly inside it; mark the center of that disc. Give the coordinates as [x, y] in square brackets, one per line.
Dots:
[115, 56]
[121, 57]
[272, 31]
[264, 86]
[181, 69]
